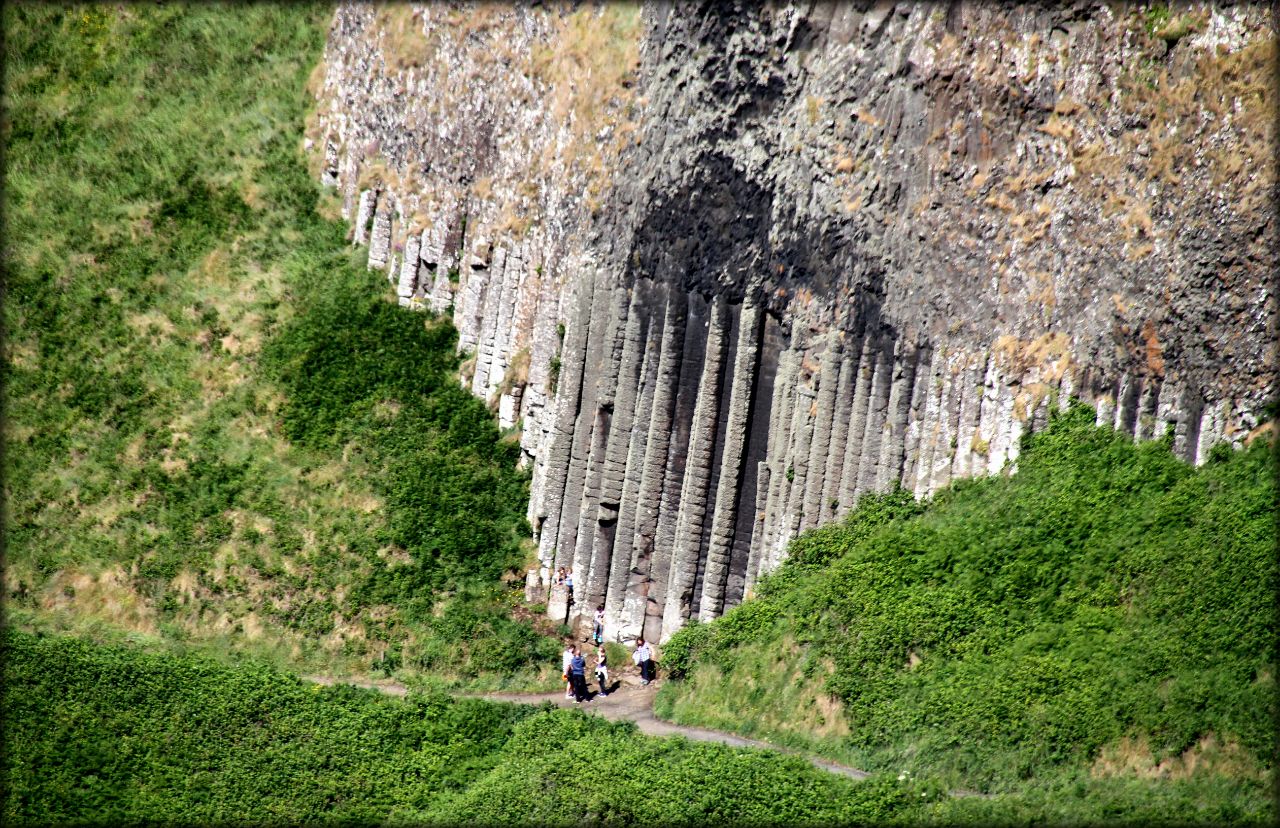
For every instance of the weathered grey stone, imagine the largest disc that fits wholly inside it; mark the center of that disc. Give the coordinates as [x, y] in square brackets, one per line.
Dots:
[932, 425]
[920, 392]
[363, 214]
[722, 527]
[589, 434]
[614, 468]
[622, 562]
[894, 432]
[1145, 428]
[814, 508]
[1127, 404]
[380, 236]
[968, 409]
[694, 494]
[568, 404]
[780, 416]
[802, 421]
[606, 384]
[939, 250]
[842, 414]
[646, 583]
[877, 411]
[492, 279]
[408, 281]
[857, 428]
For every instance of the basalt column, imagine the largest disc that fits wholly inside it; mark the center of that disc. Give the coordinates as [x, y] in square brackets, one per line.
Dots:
[802, 424]
[695, 489]
[576, 478]
[915, 416]
[606, 388]
[780, 417]
[492, 281]
[877, 411]
[930, 425]
[857, 427]
[840, 428]
[621, 560]
[614, 470]
[682, 424]
[814, 509]
[568, 404]
[408, 282]
[725, 517]
[754, 489]
[380, 236]
[894, 431]
[639, 585]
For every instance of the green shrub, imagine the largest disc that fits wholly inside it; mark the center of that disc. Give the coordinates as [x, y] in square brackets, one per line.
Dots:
[111, 734]
[1014, 628]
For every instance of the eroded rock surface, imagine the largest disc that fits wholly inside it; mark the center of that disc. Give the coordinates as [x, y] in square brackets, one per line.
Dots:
[729, 269]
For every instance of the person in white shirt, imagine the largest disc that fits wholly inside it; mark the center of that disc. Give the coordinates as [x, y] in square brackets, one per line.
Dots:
[597, 633]
[643, 657]
[566, 658]
[602, 670]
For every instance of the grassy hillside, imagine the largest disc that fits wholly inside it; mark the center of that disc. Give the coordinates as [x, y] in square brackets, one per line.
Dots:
[217, 432]
[180, 739]
[1092, 637]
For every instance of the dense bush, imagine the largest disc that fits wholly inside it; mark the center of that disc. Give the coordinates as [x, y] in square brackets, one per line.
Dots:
[110, 734]
[1015, 627]
[114, 735]
[359, 371]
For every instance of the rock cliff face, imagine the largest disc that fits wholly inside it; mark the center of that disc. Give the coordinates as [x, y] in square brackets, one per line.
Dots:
[728, 268]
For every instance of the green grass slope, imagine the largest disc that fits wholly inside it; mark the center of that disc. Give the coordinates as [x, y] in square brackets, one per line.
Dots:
[217, 432]
[1092, 637]
[113, 735]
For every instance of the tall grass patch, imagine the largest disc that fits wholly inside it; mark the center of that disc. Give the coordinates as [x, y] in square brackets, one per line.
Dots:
[183, 456]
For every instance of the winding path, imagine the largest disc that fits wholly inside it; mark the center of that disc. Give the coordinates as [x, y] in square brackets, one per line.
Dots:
[628, 701]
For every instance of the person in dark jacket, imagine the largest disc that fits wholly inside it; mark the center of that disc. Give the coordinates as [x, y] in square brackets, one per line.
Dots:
[578, 676]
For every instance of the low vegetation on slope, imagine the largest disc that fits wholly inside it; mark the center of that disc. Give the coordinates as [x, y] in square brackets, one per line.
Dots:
[216, 432]
[162, 738]
[1091, 637]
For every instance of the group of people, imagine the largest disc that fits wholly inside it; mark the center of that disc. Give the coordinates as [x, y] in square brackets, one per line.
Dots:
[565, 576]
[574, 663]
[575, 673]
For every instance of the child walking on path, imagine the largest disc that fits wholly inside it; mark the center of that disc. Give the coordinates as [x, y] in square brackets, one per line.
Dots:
[602, 671]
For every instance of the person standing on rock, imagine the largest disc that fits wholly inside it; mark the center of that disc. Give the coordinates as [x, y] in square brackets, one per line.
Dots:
[566, 659]
[568, 583]
[597, 633]
[578, 676]
[602, 670]
[643, 657]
